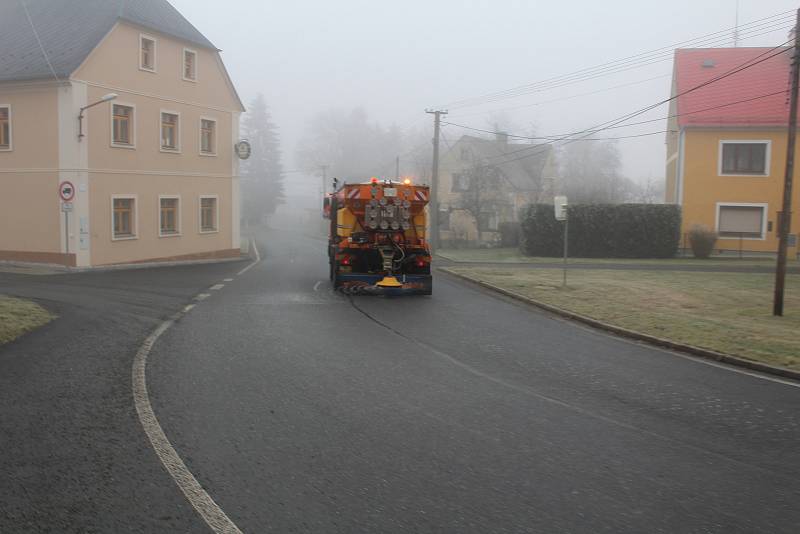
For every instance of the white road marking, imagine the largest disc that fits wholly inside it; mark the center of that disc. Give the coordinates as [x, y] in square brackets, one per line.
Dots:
[316, 286]
[251, 265]
[211, 513]
[216, 287]
[202, 296]
[188, 308]
[227, 280]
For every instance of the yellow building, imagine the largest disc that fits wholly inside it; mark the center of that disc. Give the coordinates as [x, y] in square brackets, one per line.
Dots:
[726, 146]
[148, 169]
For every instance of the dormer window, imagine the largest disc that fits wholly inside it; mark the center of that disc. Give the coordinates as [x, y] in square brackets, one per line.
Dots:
[189, 65]
[147, 53]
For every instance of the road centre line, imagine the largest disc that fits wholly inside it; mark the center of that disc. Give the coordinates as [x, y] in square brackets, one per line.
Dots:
[216, 287]
[227, 279]
[209, 510]
[202, 296]
[252, 264]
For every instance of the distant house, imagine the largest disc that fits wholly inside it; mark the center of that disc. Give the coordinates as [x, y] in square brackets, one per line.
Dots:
[485, 182]
[726, 148]
[153, 171]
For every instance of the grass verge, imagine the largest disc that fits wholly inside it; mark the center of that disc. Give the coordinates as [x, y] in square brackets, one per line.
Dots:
[724, 312]
[512, 255]
[18, 316]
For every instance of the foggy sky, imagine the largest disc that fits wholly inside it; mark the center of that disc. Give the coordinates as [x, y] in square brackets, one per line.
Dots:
[397, 58]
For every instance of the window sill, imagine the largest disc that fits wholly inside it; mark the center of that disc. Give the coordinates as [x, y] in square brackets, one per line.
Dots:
[119, 145]
[145, 69]
[170, 234]
[210, 231]
[192, 80]
[736, 238]
[209, 154]
[170, 150]
[124, 237]
[3, 149]
[745, 175]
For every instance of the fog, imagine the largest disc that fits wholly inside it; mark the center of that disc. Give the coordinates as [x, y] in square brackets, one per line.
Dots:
[394, 59]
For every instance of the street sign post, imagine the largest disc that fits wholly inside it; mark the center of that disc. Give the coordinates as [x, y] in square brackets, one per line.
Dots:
[66, 190]
[560, 203]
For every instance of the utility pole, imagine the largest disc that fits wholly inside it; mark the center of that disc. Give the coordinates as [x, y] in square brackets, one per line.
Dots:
[786, 211]
[324, 177]
[434, 201]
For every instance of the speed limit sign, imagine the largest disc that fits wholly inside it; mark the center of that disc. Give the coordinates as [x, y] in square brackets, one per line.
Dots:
[66, 191]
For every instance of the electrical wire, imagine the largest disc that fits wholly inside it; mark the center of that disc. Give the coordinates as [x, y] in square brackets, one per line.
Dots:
[771, 23]
[547, 137]
[569, 138]
[601, 73]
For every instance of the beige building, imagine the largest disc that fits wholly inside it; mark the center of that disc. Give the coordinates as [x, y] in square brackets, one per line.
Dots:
[154, 172]
[484, 183]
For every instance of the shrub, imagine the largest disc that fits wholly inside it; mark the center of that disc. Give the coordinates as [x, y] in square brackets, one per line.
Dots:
[509, 234]
[702, 240]
[603, 231]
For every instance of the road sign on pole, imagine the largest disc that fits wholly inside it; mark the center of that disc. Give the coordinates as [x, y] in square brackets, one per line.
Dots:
[66, 191]
[560, 203]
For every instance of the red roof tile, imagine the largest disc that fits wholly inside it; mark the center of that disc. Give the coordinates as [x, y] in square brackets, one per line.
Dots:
[768, 77]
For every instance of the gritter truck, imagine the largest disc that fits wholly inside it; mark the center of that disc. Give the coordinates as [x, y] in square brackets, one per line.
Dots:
[376, 242]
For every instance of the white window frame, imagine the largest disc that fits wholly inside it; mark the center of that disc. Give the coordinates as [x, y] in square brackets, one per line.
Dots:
[767, 156]
[200, 215]
[764, 218]
[179, 146]
[135, 199]
[183, 64]
[214, 140]
[10, 128]
[142, 37]
[131, 146]
[178, 217]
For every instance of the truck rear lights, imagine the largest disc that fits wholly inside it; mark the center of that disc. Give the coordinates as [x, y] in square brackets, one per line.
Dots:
[420, 263]
[346, 260]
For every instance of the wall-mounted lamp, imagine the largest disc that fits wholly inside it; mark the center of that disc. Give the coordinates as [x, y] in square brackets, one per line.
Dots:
[107, 98]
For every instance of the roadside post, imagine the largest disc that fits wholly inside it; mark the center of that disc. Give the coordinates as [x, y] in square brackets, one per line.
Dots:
[67, 192]
[560, 203]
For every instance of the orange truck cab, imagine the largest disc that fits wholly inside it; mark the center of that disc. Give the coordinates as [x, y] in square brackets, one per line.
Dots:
[376, 243]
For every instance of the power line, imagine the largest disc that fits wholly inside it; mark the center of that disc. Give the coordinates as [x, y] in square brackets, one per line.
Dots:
[637, 82]
[614, 122]
[772, 22]
[546, 137]
[594, 75]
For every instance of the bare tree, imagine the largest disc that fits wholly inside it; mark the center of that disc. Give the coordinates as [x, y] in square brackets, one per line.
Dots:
[591, 172]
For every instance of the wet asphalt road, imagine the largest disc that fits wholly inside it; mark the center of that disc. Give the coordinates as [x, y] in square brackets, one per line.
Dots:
[300, 410]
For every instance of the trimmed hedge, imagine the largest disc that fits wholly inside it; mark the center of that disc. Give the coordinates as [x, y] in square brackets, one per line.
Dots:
[603, 231]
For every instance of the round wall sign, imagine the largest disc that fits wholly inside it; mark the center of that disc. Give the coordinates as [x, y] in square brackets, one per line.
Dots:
[242, 149]
[66, 191]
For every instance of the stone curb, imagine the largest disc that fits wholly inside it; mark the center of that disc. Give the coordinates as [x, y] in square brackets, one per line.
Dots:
[631, 334]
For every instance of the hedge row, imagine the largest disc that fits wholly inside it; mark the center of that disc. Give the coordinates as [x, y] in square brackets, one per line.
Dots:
[603, 231]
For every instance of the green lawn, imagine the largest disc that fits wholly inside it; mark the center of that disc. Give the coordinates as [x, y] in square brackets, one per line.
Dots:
[726, 312]
[18, 316]
[512, 255]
